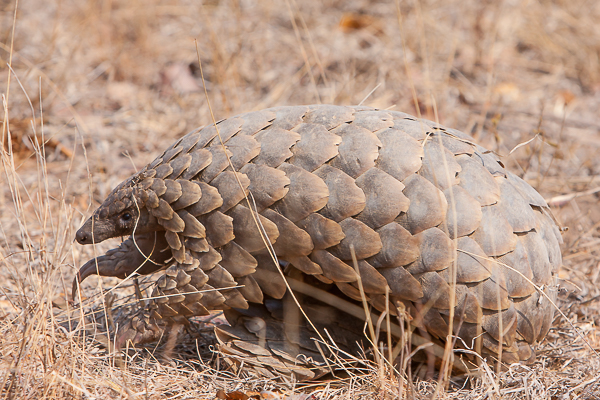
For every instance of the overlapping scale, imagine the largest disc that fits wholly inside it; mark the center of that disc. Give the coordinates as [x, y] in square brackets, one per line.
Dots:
[428, 205]
[439, 166]
[275, 145]
[358, 150]
[316, 146]
[267, 184]
[400, 154]
[345, 197]
[384, 198]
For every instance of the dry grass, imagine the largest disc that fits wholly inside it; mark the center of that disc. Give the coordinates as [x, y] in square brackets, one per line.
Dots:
[106, 84]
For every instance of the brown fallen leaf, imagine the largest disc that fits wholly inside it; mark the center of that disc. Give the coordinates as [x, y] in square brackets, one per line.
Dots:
[353, 22]
[236, 395]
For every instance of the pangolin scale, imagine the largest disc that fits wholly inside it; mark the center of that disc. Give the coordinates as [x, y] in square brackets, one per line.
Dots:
[432, 219]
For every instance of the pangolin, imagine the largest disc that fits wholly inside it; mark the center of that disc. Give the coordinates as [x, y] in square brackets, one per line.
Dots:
[342, 202]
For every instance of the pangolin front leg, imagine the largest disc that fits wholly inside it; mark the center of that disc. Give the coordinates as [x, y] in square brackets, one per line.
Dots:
[178, 292]
[141, 254]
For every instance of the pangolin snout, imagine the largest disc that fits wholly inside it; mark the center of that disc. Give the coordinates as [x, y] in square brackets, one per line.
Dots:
[83, 237]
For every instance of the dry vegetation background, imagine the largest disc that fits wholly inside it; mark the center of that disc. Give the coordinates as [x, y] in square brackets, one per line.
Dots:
[107, 84]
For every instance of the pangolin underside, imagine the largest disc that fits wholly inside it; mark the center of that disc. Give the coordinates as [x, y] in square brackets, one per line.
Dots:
[433, 220]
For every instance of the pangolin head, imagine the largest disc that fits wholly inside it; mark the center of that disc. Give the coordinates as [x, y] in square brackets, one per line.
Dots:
[123, 212]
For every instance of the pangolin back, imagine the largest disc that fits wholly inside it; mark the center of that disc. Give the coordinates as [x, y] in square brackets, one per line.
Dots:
[432, 219]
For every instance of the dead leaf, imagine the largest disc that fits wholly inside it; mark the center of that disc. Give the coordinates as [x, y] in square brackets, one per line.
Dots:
[353, 22]
[221, 395]
[236, 395]
[268, 395]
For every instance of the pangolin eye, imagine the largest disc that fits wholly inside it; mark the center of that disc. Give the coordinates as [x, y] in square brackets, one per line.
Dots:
[126, 217]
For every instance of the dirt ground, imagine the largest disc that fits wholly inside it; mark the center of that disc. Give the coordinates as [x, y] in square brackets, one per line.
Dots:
[93, 90]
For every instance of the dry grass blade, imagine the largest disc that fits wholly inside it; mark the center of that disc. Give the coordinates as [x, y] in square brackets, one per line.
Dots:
[561, 200]
[523, 144]
[372, 336]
